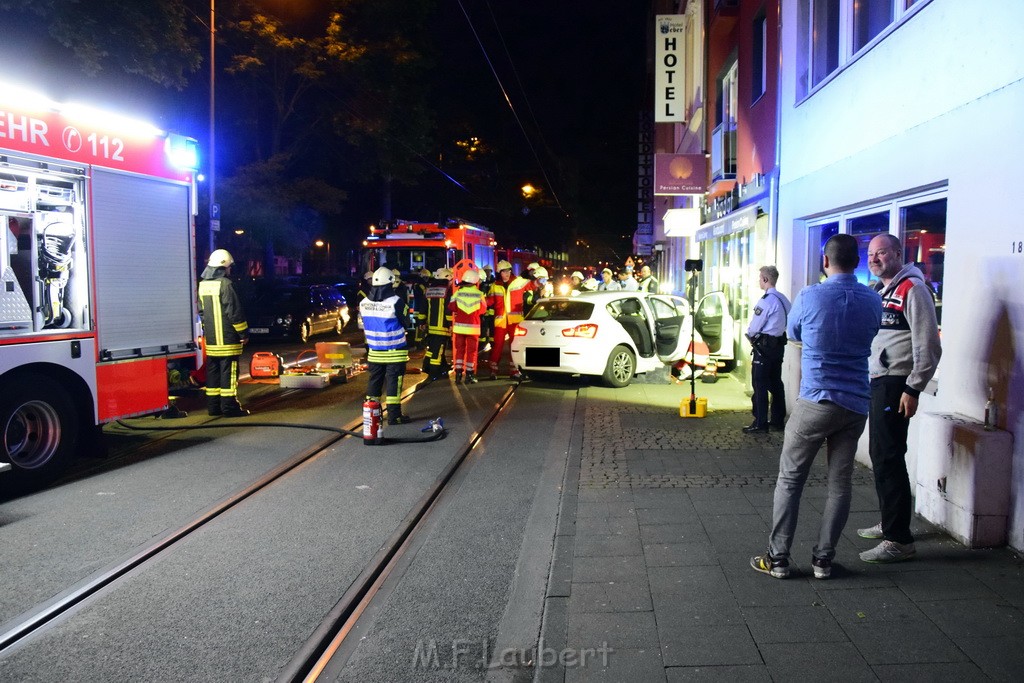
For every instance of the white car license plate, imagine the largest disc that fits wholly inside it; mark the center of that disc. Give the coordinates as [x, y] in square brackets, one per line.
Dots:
[259, 330]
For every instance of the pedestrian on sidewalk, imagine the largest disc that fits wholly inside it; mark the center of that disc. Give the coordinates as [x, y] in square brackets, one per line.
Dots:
[836, 321]
[468, 304]
[767, 335]
[904, 357]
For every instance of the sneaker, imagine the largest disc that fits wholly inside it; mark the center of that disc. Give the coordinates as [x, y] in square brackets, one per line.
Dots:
[871, 532]
[516, 377]
[888, 551]
[766, 564]
[822, 567]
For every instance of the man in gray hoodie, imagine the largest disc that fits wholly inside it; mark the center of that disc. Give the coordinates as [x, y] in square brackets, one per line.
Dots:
[904, 356]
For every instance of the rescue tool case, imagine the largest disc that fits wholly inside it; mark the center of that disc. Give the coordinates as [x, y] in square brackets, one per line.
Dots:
[305, 380]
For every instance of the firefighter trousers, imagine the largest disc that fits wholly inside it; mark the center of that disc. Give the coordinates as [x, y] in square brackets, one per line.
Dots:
[221, 384]
[387, 377]
[464, 352]
[500, 335]
[434, 362]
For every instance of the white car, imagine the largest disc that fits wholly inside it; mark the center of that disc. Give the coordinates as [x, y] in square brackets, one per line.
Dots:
[613, 335]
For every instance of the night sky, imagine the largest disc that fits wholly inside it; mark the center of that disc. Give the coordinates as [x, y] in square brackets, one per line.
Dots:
[578, 87]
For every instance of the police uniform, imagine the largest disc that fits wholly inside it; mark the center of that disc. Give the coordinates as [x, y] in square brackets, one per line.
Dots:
[767, 334]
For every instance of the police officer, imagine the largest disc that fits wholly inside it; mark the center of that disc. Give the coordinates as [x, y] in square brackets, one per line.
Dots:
[224, 333]
[767, 335]
[385, 319]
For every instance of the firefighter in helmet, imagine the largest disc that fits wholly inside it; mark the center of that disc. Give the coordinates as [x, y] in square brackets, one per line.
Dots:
[501, 307]
[224, 332]
[439, 324]
[385, 319]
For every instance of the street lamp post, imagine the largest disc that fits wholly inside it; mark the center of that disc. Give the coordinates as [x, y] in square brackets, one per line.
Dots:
[327, 267]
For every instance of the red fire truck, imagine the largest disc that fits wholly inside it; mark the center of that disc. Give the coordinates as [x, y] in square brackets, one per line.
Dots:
[97, 259]
[410, 246]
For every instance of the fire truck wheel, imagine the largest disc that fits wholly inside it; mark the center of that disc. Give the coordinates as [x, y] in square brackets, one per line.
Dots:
[39, 426]
[620, 368]
[304, 332]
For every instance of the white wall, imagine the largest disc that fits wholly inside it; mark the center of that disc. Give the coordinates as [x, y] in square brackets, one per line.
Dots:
[940, 99]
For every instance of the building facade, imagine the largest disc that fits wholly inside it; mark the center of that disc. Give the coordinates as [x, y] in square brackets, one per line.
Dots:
[864, 117]
[900, 116]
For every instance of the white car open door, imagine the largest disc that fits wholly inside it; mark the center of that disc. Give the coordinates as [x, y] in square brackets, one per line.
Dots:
[671, 335]
[716, 326]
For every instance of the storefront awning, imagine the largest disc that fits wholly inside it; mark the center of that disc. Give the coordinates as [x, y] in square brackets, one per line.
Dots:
[741, 219]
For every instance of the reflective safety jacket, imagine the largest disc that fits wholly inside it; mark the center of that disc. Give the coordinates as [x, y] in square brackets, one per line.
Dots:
[384, 322]
[520, 295]
[467, 305]
[499, 302]
[224, 326]
[439, 318]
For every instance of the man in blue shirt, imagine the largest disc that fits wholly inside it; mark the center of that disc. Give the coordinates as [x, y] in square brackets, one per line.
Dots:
[836, 321]
[767, 335]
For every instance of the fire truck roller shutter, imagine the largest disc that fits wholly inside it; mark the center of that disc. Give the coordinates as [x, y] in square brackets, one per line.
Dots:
[144, 288]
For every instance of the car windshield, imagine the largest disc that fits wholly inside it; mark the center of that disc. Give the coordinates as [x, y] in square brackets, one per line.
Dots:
[561, 309]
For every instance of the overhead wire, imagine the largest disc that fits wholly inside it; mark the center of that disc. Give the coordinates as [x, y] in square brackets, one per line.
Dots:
[522, 88]
[508, 100]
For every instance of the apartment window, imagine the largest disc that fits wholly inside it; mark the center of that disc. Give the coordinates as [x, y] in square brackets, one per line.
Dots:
[831, 33]
[870, 17]
[723, 137]
[919, 220]
[824, 42]
[865, 228]
[924, 243]
[818, 234]
[760, 58]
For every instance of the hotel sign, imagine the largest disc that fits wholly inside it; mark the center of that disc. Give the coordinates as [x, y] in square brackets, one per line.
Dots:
[669, 42]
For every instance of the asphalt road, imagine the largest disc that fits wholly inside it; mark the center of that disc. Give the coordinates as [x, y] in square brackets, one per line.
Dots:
[234, 600]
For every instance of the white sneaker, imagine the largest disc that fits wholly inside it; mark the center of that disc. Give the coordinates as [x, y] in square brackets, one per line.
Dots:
[888, 551]
[871, 532]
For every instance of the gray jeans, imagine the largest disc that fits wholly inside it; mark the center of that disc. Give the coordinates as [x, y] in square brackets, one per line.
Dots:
[810, 425]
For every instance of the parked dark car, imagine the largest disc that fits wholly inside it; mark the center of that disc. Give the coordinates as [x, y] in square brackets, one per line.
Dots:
[288, 311]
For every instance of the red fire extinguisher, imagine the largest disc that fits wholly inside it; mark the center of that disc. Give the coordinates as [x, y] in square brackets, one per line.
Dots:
[373, 426]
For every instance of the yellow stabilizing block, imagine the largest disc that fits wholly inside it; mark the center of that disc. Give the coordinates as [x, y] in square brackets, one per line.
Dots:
[700, 408]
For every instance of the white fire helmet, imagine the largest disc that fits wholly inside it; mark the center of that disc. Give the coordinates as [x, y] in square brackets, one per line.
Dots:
[442, 274]
[533, 266]
[220, 258]
[578, 275]
[471, 277]
[503, 265]
[540, 272]
[590, 285]
[382, 276]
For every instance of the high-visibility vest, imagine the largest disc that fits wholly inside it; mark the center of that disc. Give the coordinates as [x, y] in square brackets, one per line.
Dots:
[385, 331]
[470, 305]
[224, 323]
